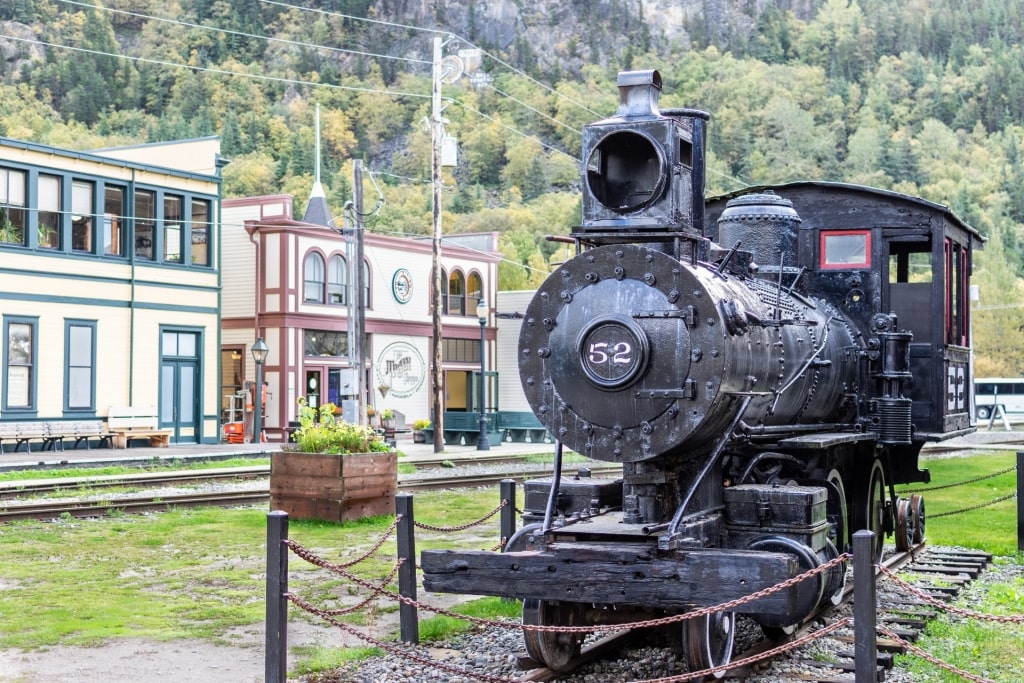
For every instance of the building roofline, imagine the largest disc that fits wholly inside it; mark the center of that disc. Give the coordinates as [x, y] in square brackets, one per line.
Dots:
[93, 157]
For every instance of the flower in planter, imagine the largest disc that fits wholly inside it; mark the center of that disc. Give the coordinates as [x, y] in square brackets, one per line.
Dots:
[387, 414]
[334, 436]
[420, 424]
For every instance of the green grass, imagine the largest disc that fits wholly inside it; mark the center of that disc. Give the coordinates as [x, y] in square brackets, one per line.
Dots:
[195, 573]
[154, 466]
[988, 649]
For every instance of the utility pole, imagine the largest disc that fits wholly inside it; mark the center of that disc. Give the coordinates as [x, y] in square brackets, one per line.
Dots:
[359, 307]
[436, 132]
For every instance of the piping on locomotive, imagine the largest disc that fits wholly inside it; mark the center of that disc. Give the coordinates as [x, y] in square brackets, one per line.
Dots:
[766, 366]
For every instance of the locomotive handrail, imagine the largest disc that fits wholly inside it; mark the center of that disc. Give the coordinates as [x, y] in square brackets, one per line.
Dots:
[666, 541]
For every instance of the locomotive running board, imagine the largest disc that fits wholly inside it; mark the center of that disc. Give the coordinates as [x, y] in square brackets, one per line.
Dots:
[615, 574]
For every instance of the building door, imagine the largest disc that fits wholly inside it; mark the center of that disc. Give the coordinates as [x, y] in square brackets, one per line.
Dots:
[179, 386]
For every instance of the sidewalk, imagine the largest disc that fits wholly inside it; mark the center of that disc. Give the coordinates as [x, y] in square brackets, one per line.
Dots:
[137, 455]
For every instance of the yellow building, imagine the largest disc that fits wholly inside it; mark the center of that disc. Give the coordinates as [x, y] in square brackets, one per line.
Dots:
[110, 283]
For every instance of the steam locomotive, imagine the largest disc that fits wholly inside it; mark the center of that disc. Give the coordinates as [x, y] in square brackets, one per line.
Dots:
[765, 365]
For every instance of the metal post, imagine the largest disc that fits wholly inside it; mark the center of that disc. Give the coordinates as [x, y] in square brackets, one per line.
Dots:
[482, 444]
[507, 516]
[865, 646]
[257, 418]
[276, 655]
[1020, 500]
[409, 626]
[437, 366]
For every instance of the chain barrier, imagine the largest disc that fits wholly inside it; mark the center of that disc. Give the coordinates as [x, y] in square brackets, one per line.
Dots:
[376, 546]
[390, 647]
[754, 659]
[947, 607]
[932, 658]
[463, 527]
[318, 561]
[373, 596]
[960, 483]
[690, 676]
[973, 507]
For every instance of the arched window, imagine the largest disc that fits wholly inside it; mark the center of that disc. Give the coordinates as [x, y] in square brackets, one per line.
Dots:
[456, 294]
[313, 274]
[337, 281]
[366, 284]
[444, 291]
[474, 290]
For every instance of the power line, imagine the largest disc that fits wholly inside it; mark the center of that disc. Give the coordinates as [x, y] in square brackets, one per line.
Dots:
[434, 31]
[242, 33]
[536, 111]
[310, 45]
[514, 130]
[221, 72]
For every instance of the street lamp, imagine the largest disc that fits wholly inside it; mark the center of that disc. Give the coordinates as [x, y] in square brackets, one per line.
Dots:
[259, 354]
[481, 443]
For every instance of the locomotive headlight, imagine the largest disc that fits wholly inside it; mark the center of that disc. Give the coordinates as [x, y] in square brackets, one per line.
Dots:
[644, 167]
[626, 171]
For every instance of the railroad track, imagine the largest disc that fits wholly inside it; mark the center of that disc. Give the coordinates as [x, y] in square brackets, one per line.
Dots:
[76, 505]
[941, 573]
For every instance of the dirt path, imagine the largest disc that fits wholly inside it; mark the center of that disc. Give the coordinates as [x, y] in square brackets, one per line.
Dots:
[136, 660]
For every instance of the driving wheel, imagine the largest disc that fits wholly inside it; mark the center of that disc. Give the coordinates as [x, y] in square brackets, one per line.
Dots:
[870, 506]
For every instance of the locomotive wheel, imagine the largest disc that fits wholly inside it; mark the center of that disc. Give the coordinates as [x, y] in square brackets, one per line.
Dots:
[917, 510]
[905, 529]
[870, 507]
[707, 641]
[836, 507]
[555, 650]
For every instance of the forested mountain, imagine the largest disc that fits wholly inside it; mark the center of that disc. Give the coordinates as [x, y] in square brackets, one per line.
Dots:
[924, 97]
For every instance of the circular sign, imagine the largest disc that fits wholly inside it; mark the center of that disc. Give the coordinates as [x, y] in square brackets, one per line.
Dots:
[401, 286]
[612, 350]
[400, 367]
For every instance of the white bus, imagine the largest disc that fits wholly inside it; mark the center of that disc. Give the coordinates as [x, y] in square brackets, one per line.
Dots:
[1006, 392]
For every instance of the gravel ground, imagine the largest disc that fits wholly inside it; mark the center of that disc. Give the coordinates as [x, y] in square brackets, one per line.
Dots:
[493, 652]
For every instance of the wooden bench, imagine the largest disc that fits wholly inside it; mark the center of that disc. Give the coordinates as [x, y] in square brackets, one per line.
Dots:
[49, 433]
[130, 422]
[84, 430]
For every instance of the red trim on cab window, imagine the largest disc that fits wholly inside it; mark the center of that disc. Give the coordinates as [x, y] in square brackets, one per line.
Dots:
[825, 234]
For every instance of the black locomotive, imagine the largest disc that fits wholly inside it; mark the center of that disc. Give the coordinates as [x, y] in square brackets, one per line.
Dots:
[765, 365]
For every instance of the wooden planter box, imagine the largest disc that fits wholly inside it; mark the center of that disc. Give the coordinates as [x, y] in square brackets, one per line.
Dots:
[336, 488]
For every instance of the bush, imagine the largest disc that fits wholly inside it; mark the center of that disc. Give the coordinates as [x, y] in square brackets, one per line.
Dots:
[334, 436]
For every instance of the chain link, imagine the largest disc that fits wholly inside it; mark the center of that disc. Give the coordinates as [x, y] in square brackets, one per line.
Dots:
[754, 659]
[390, 647]
[973, 507]
[960, 483]
[373, 596]
[376, 546]
[314, 559]
[947, 607]
[932, 658]
[463, 527]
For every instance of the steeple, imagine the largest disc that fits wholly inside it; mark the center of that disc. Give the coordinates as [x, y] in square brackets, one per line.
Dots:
[317, 210]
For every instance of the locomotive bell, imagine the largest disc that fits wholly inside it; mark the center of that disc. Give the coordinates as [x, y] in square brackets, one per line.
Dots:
[644, 168]
[764, 224]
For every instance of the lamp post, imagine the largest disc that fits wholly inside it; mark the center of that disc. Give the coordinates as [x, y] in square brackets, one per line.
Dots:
[259, 354]
[481, 443]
